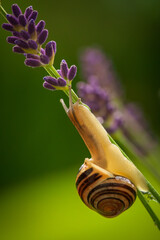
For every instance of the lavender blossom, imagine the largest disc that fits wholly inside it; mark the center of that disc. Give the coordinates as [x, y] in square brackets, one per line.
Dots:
[29, 37]
[95, 63]
[67, 73]
[96, 98]
[62, 82]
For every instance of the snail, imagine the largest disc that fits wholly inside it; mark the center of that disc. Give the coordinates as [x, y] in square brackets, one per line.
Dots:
[108, 181]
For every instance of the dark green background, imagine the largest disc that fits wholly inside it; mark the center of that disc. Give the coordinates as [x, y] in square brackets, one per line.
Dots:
[37, 139]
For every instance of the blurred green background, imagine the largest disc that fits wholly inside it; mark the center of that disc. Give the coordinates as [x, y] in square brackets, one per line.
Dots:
[40, 149]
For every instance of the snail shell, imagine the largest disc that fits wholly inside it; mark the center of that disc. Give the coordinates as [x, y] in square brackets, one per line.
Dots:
[104, 193]
[108, 182]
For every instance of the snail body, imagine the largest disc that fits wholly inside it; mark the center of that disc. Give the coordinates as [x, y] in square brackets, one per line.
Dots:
[108, 182]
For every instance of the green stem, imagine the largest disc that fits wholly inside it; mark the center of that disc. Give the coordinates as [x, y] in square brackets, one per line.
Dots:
[3, 12]
[149, 209]
[153, 191]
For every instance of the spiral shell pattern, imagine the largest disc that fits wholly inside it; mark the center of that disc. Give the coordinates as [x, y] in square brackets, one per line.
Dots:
[107, 196]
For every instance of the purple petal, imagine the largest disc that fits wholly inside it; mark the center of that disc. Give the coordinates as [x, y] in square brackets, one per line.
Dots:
[28, 11]
[64, 68]
[7, 27]
[25, 35]
[42, 36]
[32, 44]
[49, 49]
[21, 44]
[48, 86]
[61, 82]
[34, 56]
[44, 59]
[72, 72]
[16, 34]
[54, 46]
[17, 49]
[32, 62]
[59, 72]
[51, 80]
[40, 26]
[12, 39]
[43, 51]
[22, 20]
[16, 10]
[33, 16]
[31, 26]
[12, 19]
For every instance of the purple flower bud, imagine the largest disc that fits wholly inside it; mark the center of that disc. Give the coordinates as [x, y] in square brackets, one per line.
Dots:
[72, 72]
[33, 16]
[16, 10]
[25, 35]
[7, 27]
[31, 27]
[54, 46]
[28, 11]
[17, 49]
[32, 62]
[32, 44]
[12, 19]
[21, 44]
[59, 72]
[61, 82]
[42, 36]
[12, 39]
[51, 80]
[44, 59]
[22, 20]
[34, 56]
[49, 49]
[48, 86]
[42, 51]
[118, 122]
[40, 26]
[16, 34]
[110, 108]
[64, 68]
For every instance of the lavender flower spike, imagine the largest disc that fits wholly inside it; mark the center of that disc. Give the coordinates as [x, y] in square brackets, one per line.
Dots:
[29, 37]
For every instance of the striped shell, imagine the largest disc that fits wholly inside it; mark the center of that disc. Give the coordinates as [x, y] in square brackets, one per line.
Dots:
[109, 196]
